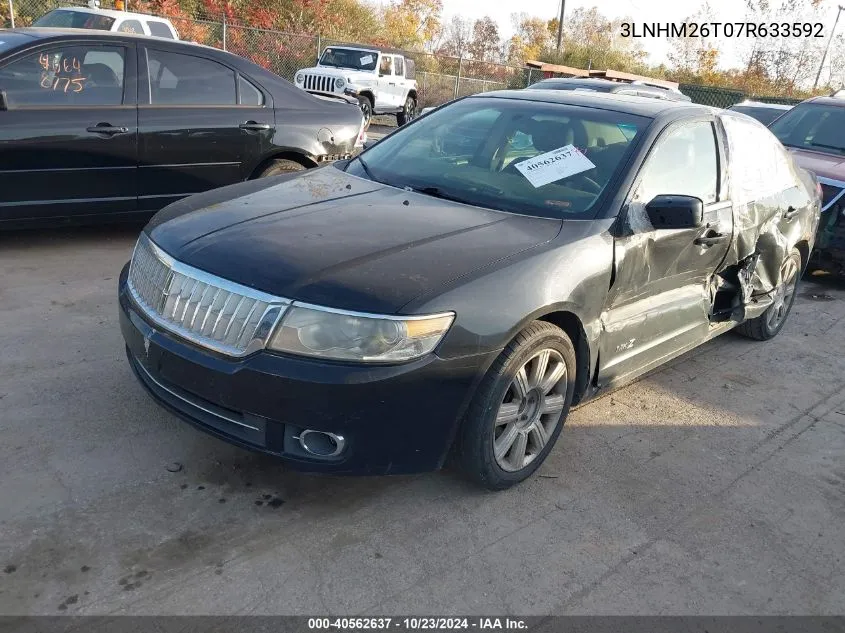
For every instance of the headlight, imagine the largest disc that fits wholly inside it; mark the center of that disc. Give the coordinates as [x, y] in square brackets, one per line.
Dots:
[339, 83]
[300, 78]
[313, 331]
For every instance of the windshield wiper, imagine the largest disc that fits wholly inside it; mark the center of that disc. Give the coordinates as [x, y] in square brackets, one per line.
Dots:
[437, 192]
[836, 147]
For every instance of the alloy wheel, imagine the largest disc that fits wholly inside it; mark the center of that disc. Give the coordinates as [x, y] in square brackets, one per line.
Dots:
[530, 410]
[783, 294]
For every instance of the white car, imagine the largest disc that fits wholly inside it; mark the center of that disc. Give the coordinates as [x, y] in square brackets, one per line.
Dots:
[107, 20]
[382, 79]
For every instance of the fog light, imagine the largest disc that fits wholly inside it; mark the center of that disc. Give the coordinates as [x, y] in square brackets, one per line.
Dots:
[320, 443]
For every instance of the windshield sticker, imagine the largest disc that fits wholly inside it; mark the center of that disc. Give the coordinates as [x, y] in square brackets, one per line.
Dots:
[367, 59]
[554, 165]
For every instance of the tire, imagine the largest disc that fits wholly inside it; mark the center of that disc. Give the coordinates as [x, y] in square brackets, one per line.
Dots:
[481, 430]
[366, 109]
[280, 166]
[409, 112]
[767, 325]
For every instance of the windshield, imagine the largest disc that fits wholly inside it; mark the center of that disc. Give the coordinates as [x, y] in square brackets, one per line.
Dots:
[528, 157]
[762, 114]
[349, 58]
[813, 126]
[69, 19]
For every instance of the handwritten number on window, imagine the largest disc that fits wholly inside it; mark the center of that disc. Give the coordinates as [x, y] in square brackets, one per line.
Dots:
[58, 76]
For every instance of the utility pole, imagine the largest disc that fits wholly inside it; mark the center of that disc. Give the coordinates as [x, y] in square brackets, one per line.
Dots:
[12, 13]
[827, 48]
[560, 24]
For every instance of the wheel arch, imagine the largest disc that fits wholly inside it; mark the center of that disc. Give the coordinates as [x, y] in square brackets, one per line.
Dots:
[804, 248]
[290, 154]
[571, 323]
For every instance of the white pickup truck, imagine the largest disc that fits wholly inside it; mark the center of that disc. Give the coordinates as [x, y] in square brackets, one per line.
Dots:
[383, 80]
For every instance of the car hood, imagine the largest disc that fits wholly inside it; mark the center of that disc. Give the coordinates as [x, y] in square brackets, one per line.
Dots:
[825, 165]
[329, 238]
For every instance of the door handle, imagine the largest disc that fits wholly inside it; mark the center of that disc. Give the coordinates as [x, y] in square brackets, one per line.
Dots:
[105, 128]
[254, 127]
[790, 213]
[391, 84]
[712, 238]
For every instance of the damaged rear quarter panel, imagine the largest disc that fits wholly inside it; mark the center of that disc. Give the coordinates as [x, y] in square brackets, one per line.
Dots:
[775, 208]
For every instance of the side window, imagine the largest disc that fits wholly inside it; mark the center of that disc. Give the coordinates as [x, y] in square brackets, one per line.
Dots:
[759, 165]
[177, 79]
[386, 65]
[131, 26]
[682, 162]
[66, 76]
[399, 66]
[160, 29]
[249, 94]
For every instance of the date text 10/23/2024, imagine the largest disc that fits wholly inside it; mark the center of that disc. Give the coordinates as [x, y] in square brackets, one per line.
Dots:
[417, 624]
[61, 74]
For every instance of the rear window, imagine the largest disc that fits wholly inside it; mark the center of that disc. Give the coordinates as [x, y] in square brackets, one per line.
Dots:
[160, 29]
[763, 115]
[69, 19]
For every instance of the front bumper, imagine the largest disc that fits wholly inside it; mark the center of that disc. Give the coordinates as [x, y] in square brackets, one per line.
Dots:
[395, 419]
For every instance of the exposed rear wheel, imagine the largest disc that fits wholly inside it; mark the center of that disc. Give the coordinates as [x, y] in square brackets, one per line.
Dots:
[768, 324]
[519, 410]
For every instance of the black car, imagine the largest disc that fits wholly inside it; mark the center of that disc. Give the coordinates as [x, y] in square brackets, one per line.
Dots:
[374, 315]
[765, 113]
[638, 89]
[112, 125]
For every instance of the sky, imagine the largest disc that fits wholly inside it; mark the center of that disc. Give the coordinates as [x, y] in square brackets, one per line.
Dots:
[662, 11]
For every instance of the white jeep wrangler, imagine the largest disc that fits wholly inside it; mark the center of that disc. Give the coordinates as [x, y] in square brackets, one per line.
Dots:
[382, 79]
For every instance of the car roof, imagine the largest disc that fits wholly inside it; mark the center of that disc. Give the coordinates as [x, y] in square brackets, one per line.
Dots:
[833, 101]
[761, 104]
[628, 104]
[49, 33]
[112, 13]
[365, 47]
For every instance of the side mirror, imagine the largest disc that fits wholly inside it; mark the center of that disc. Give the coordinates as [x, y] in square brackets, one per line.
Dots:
[4, 103]
[675, 212]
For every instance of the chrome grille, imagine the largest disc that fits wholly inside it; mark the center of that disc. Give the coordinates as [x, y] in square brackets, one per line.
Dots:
[212, 312]
[319, 83]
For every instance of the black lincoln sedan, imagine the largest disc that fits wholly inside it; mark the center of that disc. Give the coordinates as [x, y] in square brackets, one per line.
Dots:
[375, 315]
[97, 125]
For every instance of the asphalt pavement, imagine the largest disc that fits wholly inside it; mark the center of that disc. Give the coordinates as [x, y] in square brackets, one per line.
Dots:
[715, 485]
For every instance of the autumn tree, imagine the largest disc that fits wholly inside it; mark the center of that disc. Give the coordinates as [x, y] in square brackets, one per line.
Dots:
[412, 24]
[782, 65]
[531, 37]
[485, 44]
[455, 37]
[695, 58]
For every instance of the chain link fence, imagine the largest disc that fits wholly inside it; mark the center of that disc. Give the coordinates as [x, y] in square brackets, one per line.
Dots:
[439, 78]
[725, 97]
